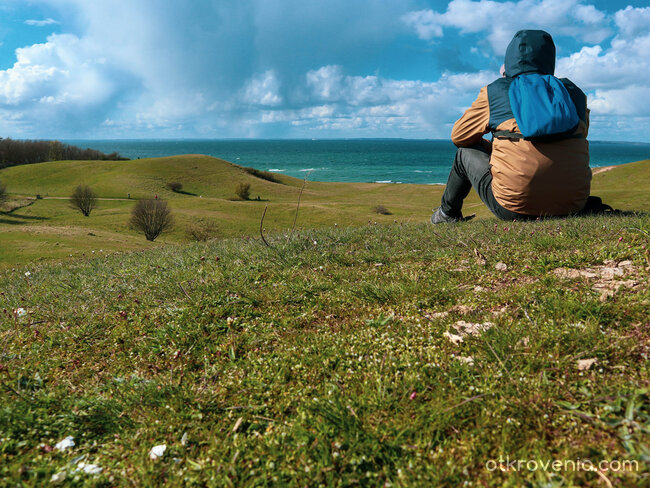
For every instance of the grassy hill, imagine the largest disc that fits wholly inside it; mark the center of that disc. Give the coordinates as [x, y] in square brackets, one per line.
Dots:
[209, 185]
[377, 355]
[47, 228]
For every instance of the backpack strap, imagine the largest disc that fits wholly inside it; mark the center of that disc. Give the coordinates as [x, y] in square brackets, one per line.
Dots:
[506, 134]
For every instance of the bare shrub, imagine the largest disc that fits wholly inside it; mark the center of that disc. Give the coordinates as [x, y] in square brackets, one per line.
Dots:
[3, 192]
[203, 230]
[381, 210]
[243, 191]
[175, 186]
[152, 217]
[83, 199]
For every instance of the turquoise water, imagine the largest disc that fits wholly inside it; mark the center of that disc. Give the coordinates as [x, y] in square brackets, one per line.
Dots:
[364, 160]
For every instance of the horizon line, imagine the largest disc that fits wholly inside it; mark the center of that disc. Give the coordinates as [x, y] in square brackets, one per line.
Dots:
[305, 139]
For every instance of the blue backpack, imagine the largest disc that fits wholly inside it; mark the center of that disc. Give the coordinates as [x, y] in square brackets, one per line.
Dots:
[542, 107]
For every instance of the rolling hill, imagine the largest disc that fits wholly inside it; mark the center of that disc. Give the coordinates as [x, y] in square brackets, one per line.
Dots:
[46, 227]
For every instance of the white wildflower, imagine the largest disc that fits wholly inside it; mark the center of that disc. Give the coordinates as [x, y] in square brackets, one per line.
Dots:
[58, 477]
[66, 443]
[456, 339]
[89, 468]
[467, 360]
[157, 451]
[20, 312]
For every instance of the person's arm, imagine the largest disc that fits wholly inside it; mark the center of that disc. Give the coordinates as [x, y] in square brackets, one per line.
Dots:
[470, 128]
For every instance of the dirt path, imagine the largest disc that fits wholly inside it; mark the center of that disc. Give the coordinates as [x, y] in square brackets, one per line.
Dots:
[98, 198]
[602, 169]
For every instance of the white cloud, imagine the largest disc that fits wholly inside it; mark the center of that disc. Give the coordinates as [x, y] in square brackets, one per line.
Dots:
[588, 14]
[41, 23]
[621, 101]
[633, 21]
[427, 23]
[326, 82]
[366, 103]
[60, 70]
[263, 89]
[612, 74]
[615, 82]
[499, 19]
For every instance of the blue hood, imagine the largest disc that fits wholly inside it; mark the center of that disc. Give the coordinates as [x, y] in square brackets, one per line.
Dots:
[530, 51]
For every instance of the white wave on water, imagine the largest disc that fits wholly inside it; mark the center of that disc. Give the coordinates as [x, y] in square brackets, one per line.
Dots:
[275, 170]
[422, 171]
[389, 181]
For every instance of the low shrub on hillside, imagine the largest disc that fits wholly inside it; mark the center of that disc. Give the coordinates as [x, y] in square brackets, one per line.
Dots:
[243, 191]
[152, 217]
[265, 175]
[381, 210]
[203, 230]
[175, 186]
[3, 192]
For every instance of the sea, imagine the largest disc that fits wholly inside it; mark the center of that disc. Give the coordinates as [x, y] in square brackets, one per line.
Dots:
[345, 160]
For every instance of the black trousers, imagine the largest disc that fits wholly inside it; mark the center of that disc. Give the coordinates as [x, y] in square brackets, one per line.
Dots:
[472, 169]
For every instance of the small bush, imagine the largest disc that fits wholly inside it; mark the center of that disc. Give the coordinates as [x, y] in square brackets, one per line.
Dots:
[175, 186]
[3, 192]
[152, 217]
[381, 210]
[202, 230]
[265, 175]
[83, 199]
[243, 191]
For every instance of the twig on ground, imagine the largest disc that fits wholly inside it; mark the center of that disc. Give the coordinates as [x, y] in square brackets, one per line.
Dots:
[262, 228]
[528, 317]
[476, 397]
[183, 290]
[277, 252]
[503, 366]
[10, 389]
[295, 218]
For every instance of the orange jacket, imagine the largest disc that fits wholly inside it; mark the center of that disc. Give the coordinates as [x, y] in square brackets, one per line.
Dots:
[531, 178]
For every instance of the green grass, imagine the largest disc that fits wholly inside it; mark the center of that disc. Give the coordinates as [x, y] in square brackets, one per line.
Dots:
[33, 228]
[208, 197]
[322, 360]
[330, 357]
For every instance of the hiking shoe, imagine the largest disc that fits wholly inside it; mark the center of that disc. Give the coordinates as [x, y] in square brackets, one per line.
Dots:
[440, 217]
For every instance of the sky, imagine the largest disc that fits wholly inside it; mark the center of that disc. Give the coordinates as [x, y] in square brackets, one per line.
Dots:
[123, 69]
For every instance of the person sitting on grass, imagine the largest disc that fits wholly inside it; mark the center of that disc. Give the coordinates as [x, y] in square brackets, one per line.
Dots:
[537, 163]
